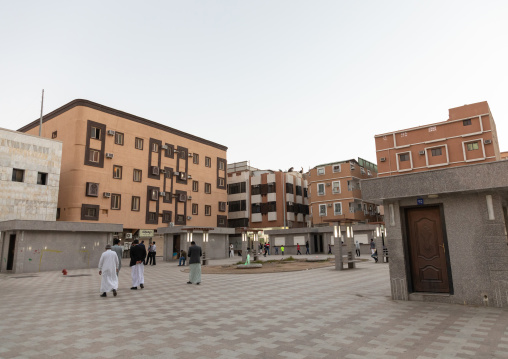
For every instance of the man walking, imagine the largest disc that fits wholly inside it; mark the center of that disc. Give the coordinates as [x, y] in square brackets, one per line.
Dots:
[282, 250]
[307, 248]
[119, 252]
[373, 249]
[108, 269]
[183, 257]
[138, 254]
[298, 249]
[357, 250]
[152, 251]
[194, 264]
[231, 251]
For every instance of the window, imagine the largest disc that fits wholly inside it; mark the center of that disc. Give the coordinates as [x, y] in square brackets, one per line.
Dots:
[255, 189]
[58, 213]
[117, 172]
[208, 162]
[42, 178]
[195, 158]
[18, 175]
[154, 195]
[166, 216]
[152, 216]
[95, 133]
[119, 138]
[362, 170]
[320, 189]
[138, 143]
[155, 147]
[352, 165]
[256, 208]
[135, 203]
[336, 187]
[137, 175]
[195, 209]
[466, 122]
[169, 151]
[167, 197]
[436, 152]
[321, 171]
[222, 206]
[221, 181]
[208, 188]
[241, 187]
[92, 189]
[208, 210]
[336, 168]
[472, 146]
[221, 165]
[54, 134]
[91, 212]
[337, 208]
[322, 209]
[115, 201]
[404, 157]
[195, 186]
[272, 206]
[94, 156]
[298, 190]
[236, 206]
[289, 188]
[369, 173]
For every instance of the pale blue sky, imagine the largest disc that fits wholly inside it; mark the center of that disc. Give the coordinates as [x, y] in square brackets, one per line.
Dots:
[281, 83]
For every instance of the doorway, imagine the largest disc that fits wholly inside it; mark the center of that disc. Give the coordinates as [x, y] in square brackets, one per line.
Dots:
[176, 246]
[428, 260]
[318, 243]
[11, 251]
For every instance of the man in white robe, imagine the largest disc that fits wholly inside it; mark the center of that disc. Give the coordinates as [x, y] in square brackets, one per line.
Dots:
[108, 269]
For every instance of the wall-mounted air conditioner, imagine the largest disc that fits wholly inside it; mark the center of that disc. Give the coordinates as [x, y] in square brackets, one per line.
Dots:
[488, 142]
[422, 152]
[162, 194]
[328, 184]
[190, 155]
[329, 204]
[382, 159]
[189, 176]
[164, 147]
[107, 194]
[111, 132]
[189, 217]
[176, 173]
[189, 197]
[109, 155]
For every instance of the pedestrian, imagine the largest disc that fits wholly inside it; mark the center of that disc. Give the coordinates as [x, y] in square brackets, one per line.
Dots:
[261, 248]
[276, 250]
[374, 255]
[268, 248]
[329, 248]
[152, 251]
[357, 250]
[138, 254]
[282, 250]
[108, 269]
[183, 257]
[194, 264]
[373, 248]
[119, 252]
[265, 249]
[307, 248]
[231, 251]
[298, 249]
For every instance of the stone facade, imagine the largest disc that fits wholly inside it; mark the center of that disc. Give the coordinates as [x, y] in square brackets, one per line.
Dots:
[28, 200]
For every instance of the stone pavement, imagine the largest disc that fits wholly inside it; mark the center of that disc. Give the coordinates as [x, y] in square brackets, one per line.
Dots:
[320, 313]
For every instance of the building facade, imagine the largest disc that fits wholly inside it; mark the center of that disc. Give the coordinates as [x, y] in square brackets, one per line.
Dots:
[29, 176]
[468, 136]
[124, 169]
[335, 193]
[266, 198]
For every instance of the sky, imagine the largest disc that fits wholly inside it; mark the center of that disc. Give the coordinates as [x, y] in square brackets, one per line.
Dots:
[280, 83]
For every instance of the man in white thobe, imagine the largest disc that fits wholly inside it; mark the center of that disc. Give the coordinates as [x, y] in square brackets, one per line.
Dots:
[108, 269]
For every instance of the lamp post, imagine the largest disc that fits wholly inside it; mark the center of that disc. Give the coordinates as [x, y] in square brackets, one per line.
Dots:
[255, 246]
[337, 245]
[245, 239]
[205, 241]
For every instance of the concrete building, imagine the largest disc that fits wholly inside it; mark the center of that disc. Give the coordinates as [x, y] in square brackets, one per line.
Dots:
[447, 233]
[468, 136]
[29, 176]
[336, 196]
[119, 168]
[265, 198]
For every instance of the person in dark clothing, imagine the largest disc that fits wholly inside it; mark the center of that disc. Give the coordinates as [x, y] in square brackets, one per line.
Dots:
[138, 254]
[307, 248]
[329, 249]
[194, 254]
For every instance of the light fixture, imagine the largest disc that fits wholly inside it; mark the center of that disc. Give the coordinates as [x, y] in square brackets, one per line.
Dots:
[335, 231]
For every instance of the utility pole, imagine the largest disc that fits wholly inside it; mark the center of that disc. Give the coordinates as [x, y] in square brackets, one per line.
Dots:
[40, 121]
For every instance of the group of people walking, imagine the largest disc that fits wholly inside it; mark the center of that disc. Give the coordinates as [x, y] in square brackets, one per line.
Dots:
[110, 264]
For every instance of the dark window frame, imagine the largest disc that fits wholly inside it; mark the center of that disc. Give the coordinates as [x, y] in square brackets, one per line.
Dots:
[119, 138]
[141, 141]
[139, 204]
[113, 195]
[84, 212]
[89, 193]
[196, 183]
[196, 207]
[43, 179]
[15, 171]
[209, 186]
[208, 209]
[134, 175]
[466, 122]
[208, 162]
[121, 171]
[195, 158]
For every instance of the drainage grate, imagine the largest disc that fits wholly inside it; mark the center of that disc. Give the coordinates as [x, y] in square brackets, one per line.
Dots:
[78, 275]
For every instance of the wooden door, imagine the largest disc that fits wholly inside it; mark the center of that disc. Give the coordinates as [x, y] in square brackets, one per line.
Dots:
[428, 263]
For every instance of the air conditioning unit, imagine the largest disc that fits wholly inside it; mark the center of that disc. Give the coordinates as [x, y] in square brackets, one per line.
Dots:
[171, 224]
[488, 142]
[164, 147]
[162, 171]
[111, 132]
[109, 155]
[162, 194]
[189, 197]
[155, 170]
[128, 235]
[382, 159]
[182, 197]
[328, 184]
[329, 204]
[183, 176]
[176, 173]
[189, 176]
[107, 194]
[190, 155]
[189, 217]
[421, 152]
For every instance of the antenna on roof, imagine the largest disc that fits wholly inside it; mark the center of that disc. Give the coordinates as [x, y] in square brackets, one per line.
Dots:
[40, 121]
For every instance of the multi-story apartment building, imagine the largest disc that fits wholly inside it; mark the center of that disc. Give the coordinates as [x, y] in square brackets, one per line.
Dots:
[29, 176]
[266, 198]
[335, 193]
[121, 168]
[468, 136]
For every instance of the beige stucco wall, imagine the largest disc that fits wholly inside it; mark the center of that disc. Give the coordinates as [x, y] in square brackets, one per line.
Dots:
[27, 200]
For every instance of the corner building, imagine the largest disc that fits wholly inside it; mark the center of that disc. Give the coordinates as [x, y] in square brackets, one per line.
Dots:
[121, 168]
[468, 136]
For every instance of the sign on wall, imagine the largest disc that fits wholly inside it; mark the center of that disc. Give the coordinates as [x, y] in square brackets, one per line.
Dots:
[143, 233]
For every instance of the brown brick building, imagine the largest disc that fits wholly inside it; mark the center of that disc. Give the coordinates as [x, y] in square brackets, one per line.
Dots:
[468, 136]
[121, 168]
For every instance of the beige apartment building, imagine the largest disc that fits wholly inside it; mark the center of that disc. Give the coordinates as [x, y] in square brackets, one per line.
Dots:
[121, 168]
[265, 198]
[336, 196]
[468, 136]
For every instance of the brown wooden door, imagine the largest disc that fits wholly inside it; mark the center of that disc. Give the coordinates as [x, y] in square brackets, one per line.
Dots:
[429, 269]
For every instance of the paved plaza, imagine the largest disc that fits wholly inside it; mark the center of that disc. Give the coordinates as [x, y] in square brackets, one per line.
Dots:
[319, 313]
